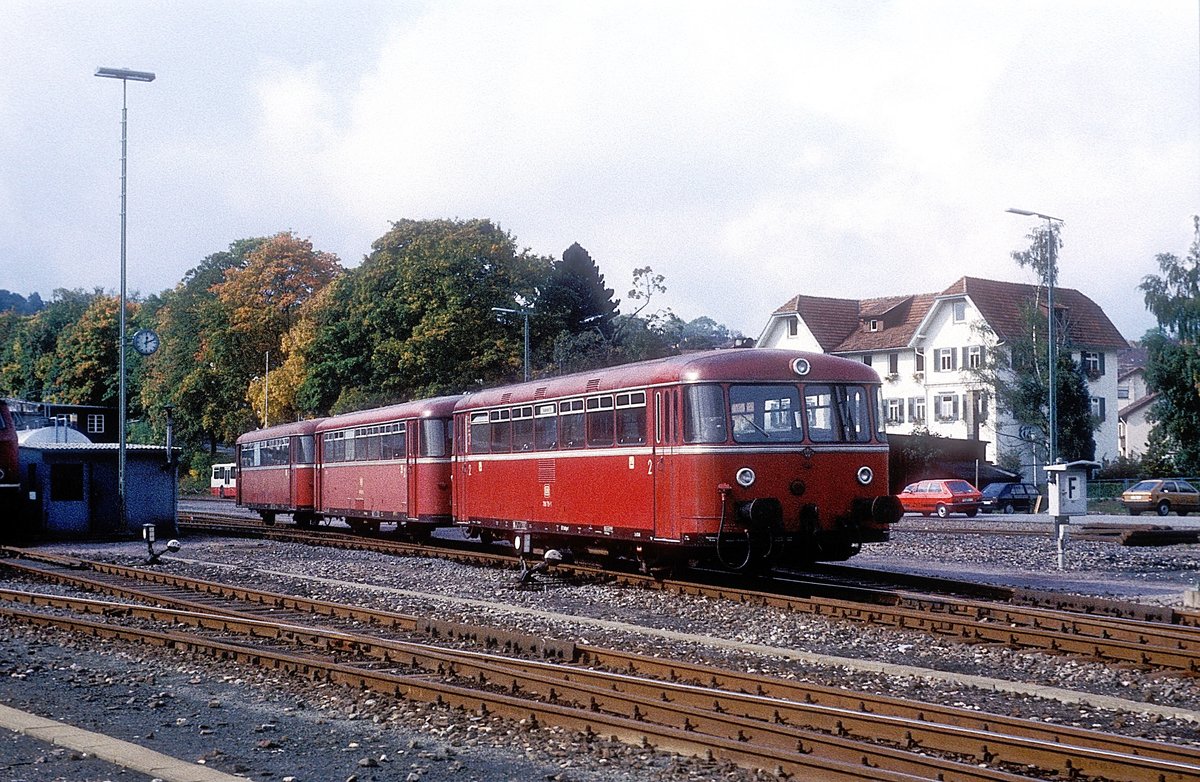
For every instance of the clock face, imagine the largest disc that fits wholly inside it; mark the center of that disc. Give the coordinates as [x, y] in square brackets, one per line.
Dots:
[145, 341]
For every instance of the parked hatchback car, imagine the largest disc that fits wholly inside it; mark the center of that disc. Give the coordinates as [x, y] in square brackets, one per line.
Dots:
[942, 497]
[1009, 498]
[1162, 497]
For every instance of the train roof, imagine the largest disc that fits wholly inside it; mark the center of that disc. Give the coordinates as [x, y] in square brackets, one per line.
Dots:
[280, 430]
[730, 365]
[437, 407]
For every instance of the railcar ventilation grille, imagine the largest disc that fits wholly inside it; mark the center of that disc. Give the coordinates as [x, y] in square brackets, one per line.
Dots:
[540, 393]
[507, 397]
[593, 385]
[545, 470]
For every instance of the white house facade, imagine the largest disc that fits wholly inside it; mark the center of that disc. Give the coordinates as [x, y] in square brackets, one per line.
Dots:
[927, 349]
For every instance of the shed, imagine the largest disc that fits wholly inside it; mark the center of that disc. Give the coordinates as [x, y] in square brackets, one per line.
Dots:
[70, 489]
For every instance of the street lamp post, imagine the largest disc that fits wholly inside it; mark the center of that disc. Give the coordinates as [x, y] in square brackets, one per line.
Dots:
[525, 314]
[126, 76]
[1052, 356]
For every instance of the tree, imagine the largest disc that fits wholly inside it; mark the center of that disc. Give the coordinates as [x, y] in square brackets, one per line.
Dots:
[1173, 358]
[83, 369]
[30, 343]
[1017, 369]
[415, 318]
[188, 371]
[574, 299]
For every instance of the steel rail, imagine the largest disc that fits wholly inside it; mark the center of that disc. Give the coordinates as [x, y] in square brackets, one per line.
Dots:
[863, 762]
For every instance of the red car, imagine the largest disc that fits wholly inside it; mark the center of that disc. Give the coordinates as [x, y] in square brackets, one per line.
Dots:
[942, 497]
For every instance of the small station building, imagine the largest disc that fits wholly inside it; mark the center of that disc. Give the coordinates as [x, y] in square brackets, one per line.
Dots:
[69, 487]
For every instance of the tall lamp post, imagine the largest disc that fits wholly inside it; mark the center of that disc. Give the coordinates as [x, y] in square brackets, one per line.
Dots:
[524, 313]
[1052, 356]
[126, 76]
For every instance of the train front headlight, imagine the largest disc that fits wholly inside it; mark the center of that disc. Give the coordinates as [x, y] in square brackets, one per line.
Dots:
[865, 475]
[745, 477]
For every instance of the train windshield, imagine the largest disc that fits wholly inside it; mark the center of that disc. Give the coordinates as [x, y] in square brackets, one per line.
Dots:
[838, 413]
[768, 413]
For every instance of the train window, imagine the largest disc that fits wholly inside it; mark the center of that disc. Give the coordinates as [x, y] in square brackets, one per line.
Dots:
[818, 404]
[571, 424]
[856, 414]
[522, 429]
[631, 418]
[480, 440]
[545, 427]
[601, 427]
[704, 414]
[435, 437]
[334, 447]
[501, 434]
[393, 442]
[304, 449]
[768, 413]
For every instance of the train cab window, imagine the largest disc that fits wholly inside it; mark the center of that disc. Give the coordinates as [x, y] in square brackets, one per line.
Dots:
[838, 413]
[856, 415]
[571, 424]
[631, 418]
[435, 437]
[303, 449]
[768, 413]
[501, 434]
[479, 433]
[545, 427]
[601, 426]
[822, 420]
[522, 429]
[704, 414]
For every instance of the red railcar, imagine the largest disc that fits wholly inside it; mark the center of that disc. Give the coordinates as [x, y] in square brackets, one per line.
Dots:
[392, 464]
[755, 456]
[277, 469]
[10, 472]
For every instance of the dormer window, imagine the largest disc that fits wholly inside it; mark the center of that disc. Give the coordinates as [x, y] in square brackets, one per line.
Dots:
[873, 324]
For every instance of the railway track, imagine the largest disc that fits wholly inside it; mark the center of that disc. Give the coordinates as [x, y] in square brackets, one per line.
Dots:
[785, 727]
[1120, 634]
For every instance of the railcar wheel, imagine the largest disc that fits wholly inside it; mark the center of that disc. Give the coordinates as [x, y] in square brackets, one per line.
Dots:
[942, 511]
[268, 517]
[1164, 508]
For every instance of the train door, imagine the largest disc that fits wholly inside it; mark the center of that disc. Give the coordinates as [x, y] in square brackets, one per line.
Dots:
[411, 470]
[666, 479]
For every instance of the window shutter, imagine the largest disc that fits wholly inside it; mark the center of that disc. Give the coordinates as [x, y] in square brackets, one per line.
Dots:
[954, 415]
[1102, 372]
[953, 358]
[966, 361]
[1102, 401]
[912, 409]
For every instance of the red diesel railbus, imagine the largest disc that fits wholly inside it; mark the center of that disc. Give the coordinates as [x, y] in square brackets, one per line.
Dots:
[756, 456]
[276, 471]
[391, 464]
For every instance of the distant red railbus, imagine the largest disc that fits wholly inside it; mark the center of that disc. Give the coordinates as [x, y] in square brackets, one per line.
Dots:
[276, 471]
[391, 464]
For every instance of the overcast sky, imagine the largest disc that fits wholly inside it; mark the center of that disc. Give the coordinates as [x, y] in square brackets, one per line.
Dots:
[748, 151]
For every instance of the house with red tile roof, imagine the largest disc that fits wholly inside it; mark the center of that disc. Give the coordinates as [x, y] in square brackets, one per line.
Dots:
[924, 347]
[1135, 400]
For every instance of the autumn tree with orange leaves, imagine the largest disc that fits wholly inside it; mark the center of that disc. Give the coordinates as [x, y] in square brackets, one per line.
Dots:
[263, 300]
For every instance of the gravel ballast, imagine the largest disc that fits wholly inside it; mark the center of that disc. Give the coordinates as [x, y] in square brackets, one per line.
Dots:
[266, 726]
